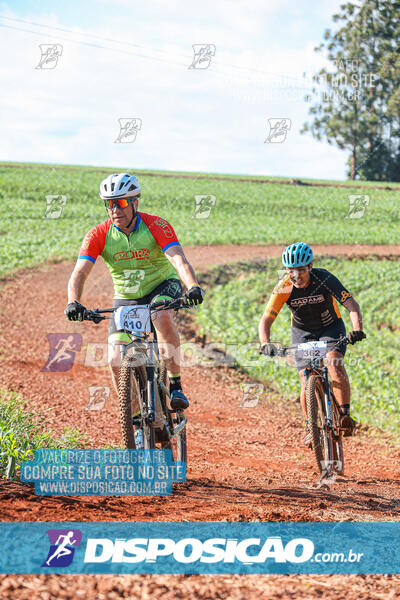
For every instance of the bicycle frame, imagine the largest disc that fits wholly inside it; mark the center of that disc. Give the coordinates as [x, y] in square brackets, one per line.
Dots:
[334, 453]
[329, 428]
[148, 349]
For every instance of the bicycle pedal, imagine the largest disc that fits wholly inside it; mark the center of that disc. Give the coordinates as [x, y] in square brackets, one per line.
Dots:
[347, 432]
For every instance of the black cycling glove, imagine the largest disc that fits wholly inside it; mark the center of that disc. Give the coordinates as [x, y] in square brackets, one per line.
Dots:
[355, 336]
[75, 311]
[194, 296]
[268, 349]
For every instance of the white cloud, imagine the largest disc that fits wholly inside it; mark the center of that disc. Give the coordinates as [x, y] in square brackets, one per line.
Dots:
[208, 120]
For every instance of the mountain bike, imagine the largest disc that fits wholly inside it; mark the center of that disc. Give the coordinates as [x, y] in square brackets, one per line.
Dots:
[145, 417]
[322, 407]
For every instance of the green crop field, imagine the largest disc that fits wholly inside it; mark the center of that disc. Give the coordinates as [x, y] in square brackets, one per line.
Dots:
[195, 174]
[244, 212]
[234, 307]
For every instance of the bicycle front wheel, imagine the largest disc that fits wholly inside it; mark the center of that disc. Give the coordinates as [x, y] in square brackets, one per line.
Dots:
[320, 435]
[130, 401]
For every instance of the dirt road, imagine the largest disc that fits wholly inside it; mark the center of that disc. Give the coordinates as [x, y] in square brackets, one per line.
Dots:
[244, 464]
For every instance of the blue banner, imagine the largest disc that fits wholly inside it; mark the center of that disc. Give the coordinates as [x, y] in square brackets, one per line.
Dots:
[200, 548]
[103, 472]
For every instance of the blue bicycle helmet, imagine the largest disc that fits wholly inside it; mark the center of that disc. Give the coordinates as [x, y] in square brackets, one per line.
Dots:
[298, 254]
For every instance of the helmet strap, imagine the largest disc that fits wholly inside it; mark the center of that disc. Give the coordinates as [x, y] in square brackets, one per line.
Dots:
[133, 216]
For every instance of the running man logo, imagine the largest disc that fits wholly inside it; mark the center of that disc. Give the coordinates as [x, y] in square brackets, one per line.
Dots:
[133, 279]
[62, 351]
[278, 130]
[55, 205]
[330, 470]
[98, 395]
[128, 129]
[203, 54]
[62, 547]
[357, 206]
[251, 395]
[50, 54]
[203, 206]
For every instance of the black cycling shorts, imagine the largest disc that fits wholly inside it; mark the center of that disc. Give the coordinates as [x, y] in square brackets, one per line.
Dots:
[332, 332]
[170, 289]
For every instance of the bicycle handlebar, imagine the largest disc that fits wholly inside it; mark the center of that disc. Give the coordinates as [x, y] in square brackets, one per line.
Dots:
[97, 315]
[282, 351]
[169, 304]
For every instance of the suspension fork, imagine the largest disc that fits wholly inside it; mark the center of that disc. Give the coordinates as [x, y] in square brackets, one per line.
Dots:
[151, 392]
[327, 397]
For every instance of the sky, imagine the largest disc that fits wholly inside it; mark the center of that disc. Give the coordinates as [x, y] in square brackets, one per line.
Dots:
[125, 60]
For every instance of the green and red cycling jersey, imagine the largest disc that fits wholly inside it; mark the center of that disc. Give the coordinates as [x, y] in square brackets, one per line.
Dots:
[137, 262]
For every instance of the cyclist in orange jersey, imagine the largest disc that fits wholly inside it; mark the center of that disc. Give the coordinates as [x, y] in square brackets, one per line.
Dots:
[312, 296]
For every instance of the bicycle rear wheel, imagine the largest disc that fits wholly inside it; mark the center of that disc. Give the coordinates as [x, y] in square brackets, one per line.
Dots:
[320, 435]
[166, 444]
[337, 438]
[130, 400]
[177, 444]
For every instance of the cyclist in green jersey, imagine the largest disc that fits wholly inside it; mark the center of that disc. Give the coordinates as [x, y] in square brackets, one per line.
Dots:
[312, 295]
[146, 262]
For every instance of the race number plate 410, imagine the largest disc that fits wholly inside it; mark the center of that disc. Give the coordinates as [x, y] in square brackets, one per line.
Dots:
[317, 349]
[135, 319]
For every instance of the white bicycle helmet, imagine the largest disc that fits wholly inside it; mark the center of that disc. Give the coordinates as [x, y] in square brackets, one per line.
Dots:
[119, 185]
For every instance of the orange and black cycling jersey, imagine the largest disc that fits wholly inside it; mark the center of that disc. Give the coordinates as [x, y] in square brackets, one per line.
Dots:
[314, 306]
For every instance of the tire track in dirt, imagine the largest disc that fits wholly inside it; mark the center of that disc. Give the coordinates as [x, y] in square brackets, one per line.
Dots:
[207, 256]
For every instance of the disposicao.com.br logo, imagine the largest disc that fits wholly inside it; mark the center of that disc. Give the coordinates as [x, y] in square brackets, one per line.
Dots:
[62, 547]
[190, 550]
[156, 554]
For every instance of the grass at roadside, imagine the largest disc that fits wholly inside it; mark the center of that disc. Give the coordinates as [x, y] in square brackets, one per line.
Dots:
[244, 212]
[236, 297]
[22, 432]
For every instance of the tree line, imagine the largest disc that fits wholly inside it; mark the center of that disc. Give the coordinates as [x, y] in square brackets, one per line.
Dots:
[355, 102]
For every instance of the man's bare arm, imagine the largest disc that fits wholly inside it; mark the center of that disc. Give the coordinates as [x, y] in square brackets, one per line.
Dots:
[78, 278]
[176, 256]
[264, 328]
[355, 314]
